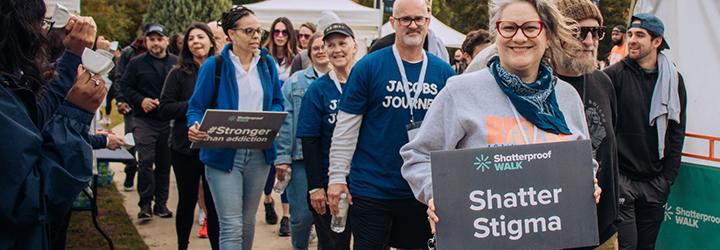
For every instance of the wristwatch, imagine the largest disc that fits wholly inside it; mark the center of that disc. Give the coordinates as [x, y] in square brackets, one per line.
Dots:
[314, 190]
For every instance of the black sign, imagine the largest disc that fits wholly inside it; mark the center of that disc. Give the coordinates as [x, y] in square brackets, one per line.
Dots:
[236, 129]
[536, 196]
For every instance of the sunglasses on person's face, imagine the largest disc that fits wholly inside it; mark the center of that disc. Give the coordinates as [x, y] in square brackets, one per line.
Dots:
[277, 32]
[598, 32]
[304, 36]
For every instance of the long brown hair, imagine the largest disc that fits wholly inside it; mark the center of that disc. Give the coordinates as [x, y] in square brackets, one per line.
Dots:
[23, 41]
[187, 63]
[290, 46]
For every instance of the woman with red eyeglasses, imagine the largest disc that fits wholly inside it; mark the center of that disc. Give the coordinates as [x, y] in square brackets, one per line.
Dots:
[515, 100]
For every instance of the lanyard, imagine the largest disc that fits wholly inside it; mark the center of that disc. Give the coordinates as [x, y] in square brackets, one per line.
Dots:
[406, 84]
[520, 126]
[335, 79]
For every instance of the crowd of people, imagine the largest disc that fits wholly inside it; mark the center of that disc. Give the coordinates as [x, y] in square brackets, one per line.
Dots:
[357, 129]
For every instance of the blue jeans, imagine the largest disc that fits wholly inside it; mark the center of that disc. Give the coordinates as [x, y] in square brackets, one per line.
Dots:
[237, 196]
[301, 219]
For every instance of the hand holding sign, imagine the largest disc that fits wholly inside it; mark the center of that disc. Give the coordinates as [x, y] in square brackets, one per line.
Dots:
[195, 135]
[432, 217]
[597, 192]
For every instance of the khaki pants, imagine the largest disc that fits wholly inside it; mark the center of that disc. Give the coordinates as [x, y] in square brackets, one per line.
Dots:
[610, 244]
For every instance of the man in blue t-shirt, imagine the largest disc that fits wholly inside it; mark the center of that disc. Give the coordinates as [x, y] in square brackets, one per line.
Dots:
[387, 93]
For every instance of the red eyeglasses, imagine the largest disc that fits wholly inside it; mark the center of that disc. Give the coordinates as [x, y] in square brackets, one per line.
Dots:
[508, 29]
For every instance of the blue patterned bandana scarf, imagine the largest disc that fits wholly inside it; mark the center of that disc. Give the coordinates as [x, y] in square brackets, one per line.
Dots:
[536, 101]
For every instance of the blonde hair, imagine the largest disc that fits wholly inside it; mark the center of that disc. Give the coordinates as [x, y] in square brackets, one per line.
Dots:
[558, 29]
[315, 36]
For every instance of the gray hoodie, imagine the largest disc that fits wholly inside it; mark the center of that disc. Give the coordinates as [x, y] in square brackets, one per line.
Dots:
[472, 112]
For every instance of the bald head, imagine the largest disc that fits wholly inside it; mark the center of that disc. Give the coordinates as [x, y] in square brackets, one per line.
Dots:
[219, 35]
[402, 7]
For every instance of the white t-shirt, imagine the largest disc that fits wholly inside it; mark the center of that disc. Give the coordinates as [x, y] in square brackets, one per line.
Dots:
[250, 91]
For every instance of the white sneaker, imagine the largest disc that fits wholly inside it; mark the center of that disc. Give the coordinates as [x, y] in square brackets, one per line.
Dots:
[313, 235]
[201, 217]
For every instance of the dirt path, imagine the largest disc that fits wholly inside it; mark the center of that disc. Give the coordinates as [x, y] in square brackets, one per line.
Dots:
[159, 233]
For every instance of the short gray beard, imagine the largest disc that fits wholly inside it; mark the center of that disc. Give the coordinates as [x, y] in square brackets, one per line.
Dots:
[578, 65]
[410, 41]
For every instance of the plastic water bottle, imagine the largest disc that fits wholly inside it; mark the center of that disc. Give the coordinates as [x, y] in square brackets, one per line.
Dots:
[338, 221]
[281, 185]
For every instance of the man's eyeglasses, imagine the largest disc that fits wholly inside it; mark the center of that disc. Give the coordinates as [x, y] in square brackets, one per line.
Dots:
[278, 32]
[251, 31]
[598, 32]
[508, 29]
[406, 20]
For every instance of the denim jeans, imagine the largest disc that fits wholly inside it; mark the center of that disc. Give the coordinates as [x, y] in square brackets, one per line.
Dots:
[301, 220]
[237, 197]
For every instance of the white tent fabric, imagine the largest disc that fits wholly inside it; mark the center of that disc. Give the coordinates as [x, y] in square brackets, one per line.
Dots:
[449, 36]
[693, 33]
[364, 21]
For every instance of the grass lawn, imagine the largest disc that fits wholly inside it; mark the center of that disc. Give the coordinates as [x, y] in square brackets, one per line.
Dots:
[112, 218]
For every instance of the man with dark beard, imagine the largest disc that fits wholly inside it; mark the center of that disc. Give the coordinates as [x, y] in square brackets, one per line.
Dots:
[651, 123]
[141, 84]
[618, 51]
[578, 67]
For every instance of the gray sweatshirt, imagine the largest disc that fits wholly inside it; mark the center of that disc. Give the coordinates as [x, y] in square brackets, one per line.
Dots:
[472, 112]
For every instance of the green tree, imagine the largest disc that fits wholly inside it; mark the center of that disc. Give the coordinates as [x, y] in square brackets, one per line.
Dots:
[615, 12]
[462, 15]
[246, 1]
[111, 21]
[114, 19]
[176, 15]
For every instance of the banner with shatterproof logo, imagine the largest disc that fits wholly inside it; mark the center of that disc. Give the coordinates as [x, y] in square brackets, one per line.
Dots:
[692, 213]
[536, 196]
[236, 129]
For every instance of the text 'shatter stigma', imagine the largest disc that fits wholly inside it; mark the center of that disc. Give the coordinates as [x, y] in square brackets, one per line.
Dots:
[514, 229]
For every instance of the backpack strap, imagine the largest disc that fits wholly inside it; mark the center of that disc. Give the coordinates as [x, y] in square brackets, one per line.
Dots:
[216, 83]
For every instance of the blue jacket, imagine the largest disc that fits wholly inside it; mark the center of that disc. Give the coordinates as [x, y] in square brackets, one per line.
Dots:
[227, 98]
[46, 157]
[288, 146]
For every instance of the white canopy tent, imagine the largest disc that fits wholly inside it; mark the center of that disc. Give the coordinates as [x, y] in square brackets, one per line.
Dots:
[364, 21]
[449, 36]
[693, 33]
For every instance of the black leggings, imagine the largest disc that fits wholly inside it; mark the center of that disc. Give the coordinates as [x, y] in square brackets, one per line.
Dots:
[188, 172]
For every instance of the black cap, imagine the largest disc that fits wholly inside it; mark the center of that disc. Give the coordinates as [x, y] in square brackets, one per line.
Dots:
[338, 28]
[652, 24]
[155, 28]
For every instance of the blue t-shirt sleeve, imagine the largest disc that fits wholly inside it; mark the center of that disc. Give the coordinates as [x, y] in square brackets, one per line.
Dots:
[310, 115]
[356, 94]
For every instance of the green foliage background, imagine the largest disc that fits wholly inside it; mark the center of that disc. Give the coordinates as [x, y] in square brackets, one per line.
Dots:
[123, 20]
